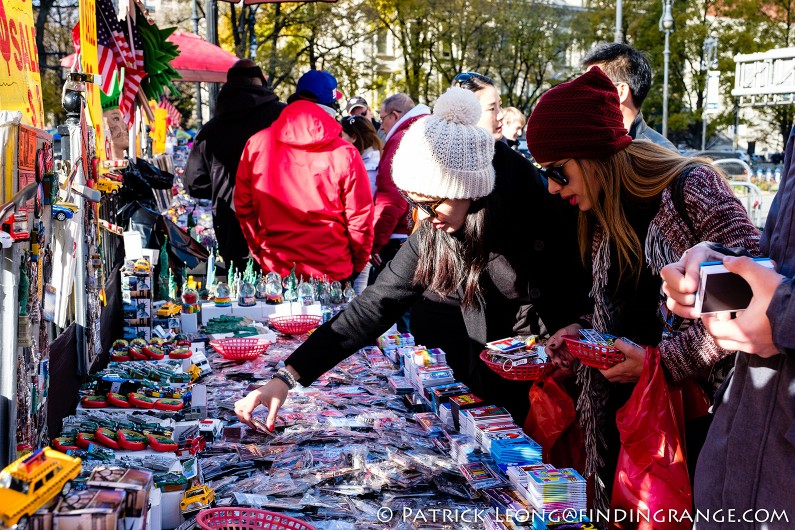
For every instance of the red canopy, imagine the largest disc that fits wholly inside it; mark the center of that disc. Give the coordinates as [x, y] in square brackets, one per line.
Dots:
[198, 59]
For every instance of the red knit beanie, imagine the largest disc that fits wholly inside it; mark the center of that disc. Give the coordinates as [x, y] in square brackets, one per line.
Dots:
[578, 119]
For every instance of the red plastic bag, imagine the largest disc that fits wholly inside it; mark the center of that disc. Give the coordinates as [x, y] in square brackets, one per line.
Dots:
[651, 476]
[551, 413]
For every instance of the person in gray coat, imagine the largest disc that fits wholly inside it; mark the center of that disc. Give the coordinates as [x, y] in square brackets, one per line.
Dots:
[630, 71]
[748, 461]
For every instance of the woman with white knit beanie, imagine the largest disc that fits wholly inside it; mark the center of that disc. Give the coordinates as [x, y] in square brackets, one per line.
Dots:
[488, 231]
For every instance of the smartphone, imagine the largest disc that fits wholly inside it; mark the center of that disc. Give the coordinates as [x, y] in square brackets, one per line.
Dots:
[720, 290]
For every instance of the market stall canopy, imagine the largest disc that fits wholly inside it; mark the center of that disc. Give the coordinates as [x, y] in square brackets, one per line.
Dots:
[198, 61]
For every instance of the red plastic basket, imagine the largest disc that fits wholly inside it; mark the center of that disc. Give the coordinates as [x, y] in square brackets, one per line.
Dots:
[236, 518]
[525, 372]
[593, 355]
[295, 324]
[240, 349]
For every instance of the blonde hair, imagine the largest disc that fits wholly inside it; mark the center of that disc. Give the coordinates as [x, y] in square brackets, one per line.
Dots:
[641, 171]
[510, 114]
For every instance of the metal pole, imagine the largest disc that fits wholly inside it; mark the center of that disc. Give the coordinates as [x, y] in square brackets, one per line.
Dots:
[197, 86]
[252, 41]
[211, 20]
[619, 34]
[666, 26]
[704, 129]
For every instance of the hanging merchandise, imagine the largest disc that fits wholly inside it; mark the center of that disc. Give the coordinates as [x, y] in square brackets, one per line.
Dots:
[158, 54]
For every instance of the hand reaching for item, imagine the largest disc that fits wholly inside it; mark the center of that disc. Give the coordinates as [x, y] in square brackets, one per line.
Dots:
[558, 354]
[272, 395]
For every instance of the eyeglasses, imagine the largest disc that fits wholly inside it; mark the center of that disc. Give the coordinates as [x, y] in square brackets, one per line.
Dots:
[464, 77]
[429, 207]
[555, 173]
[382, 117]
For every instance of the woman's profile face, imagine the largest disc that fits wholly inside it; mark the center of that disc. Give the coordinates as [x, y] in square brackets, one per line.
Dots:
[574, 191]
[491, 105]
[450, 214]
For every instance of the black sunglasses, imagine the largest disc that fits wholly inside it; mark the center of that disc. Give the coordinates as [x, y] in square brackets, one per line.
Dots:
[429, 207]
[465, 77]
[555, 173]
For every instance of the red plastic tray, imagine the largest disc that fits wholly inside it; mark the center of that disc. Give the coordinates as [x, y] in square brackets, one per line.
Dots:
[593, 355]
[240, 349]
[295, 324]
[247, 519]
[525, 372]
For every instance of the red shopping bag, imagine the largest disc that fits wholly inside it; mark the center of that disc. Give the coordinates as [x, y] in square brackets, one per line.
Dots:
[651, 476]
[551, 413]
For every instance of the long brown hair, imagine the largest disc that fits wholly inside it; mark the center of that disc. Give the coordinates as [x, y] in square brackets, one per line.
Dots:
[641, 171]
[449, 261]
[362, 131]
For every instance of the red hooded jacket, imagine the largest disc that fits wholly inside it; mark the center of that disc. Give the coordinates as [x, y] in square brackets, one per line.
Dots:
[303, 196]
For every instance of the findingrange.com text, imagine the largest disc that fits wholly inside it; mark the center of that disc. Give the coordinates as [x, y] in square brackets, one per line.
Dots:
[472, 515]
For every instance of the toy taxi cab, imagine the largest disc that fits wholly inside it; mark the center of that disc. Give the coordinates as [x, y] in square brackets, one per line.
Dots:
[32, 481]
[197, 498]
[169, 309]
[107, 185]
[142, 266]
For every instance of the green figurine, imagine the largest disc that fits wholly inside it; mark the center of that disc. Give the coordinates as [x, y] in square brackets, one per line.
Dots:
[164, 271]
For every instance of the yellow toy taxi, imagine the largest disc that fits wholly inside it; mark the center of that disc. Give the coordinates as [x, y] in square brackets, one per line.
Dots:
[107, 185]
[169, 309]
[197, 498]
[32, 481]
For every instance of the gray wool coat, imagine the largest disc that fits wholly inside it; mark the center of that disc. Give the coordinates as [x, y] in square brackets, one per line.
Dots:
[748, 461]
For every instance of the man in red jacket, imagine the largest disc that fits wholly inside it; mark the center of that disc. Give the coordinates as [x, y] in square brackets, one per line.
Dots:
[303, 196]
[397, 113]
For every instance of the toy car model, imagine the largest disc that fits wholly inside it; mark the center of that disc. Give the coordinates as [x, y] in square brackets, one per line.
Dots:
[197, 498]
[142, 266]
[193, 445]
[169, 309]
[11, 223]
[211, 429]
[63, 210]
[6, 240]
[30, 482]
[107, 185]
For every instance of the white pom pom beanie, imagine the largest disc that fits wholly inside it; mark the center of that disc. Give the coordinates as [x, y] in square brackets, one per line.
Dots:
[446, 155]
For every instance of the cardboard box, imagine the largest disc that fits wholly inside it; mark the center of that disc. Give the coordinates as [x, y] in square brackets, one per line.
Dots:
[91, 508]
[135, 482]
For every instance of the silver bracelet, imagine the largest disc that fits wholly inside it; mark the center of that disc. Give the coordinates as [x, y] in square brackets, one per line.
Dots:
[286, 373]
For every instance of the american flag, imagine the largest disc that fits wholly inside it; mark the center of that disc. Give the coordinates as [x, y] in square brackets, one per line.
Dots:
[132, 82]
[174, 115]
[105, 60]
[110, 34]
[130, 27]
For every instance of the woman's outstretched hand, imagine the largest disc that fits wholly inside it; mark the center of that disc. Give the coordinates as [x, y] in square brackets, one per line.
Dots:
[272, 395]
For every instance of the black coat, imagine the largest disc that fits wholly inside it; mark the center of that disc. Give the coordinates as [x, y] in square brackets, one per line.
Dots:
[212, 164]
[534, 265]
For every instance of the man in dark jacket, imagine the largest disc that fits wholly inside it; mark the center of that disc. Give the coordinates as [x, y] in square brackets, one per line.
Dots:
[245, 106]
[630, 71]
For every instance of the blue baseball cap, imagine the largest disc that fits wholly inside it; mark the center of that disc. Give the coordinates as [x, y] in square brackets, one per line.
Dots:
[320, 83]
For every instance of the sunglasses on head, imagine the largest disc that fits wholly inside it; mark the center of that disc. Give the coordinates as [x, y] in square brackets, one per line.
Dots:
[429, 207]
[555, 173]
[465, 77]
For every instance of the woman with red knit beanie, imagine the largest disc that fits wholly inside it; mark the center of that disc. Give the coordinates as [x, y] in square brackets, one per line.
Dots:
[641, 207]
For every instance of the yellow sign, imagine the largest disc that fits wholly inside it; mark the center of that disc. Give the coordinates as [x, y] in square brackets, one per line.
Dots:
[20, 88]
[159, 136]
[90, 64]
